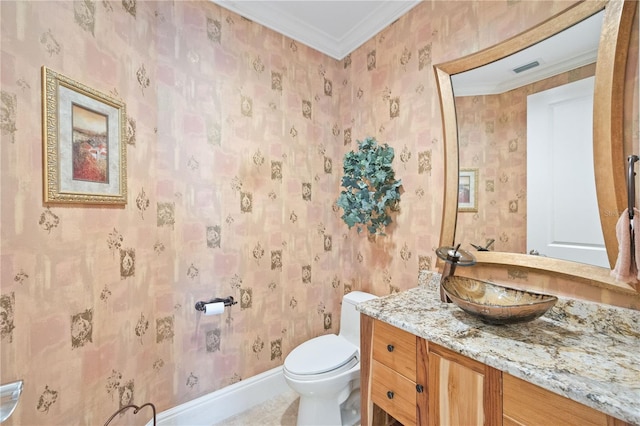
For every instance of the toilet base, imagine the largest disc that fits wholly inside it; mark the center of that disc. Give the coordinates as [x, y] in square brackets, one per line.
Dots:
[315, 411]
[350, 409]
[318, 412]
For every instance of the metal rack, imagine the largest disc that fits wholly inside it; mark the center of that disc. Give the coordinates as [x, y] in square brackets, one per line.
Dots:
[126, 407]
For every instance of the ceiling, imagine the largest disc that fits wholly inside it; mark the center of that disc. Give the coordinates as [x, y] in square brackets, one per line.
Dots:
[333, 27]
[572, 48]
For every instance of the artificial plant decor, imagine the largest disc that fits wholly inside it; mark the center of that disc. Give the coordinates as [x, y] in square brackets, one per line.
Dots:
[371, 190]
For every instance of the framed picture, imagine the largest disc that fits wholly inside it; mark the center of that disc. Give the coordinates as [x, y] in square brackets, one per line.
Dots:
[468, 190]
[85, 154]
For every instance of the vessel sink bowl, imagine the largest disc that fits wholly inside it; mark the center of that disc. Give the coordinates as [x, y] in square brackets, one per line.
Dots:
[9, 396]
[496, 304]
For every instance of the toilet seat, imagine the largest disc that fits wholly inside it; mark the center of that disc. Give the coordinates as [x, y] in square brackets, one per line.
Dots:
[324, 355]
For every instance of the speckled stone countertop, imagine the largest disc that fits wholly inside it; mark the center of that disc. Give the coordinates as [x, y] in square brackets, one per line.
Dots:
[588, 352]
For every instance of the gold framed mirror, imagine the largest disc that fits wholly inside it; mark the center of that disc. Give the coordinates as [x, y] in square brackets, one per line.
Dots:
[609, 165]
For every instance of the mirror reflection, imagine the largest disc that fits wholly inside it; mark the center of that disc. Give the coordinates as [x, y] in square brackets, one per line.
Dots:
[525, 124]
[615, 109]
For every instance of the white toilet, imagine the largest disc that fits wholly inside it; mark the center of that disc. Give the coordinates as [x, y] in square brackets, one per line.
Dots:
[325, 371]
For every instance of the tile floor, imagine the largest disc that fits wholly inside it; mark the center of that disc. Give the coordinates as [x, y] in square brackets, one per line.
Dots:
[279, 411]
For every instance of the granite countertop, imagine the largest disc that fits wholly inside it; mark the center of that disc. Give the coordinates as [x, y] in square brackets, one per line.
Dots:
[588, 352]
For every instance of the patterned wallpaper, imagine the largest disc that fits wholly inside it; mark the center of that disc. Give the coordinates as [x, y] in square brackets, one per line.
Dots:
[235, 138]
[493, 139]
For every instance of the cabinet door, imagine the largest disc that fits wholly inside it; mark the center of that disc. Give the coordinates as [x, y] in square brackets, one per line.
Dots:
[462, 391]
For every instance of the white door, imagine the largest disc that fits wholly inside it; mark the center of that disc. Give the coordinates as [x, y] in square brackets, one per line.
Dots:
[562, 209]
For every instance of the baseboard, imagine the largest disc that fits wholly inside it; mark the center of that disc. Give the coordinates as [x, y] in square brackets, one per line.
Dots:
[226, 402]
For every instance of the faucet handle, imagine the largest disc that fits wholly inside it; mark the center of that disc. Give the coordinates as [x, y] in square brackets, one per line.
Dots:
[486, 247]
[456, 255]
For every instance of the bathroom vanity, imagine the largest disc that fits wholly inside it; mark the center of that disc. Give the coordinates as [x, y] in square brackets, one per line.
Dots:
[426, 362]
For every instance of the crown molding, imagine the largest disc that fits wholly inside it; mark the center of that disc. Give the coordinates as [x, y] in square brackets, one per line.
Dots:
[268, 14]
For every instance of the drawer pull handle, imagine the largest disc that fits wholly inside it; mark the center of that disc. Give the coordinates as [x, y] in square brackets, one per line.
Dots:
[419, 388]
[390, 348]
[390, 394]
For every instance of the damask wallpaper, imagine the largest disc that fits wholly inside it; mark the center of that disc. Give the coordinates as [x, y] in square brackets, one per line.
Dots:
[235, 137]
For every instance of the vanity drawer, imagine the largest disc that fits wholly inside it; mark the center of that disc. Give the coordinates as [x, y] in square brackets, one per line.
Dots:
[395, 348]
[394, 393]
[527, 404]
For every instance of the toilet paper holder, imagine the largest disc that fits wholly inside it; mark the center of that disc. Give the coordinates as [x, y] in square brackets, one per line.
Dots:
[228, 301]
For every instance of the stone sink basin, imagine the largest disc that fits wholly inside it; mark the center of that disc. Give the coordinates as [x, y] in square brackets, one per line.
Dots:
[496, 304]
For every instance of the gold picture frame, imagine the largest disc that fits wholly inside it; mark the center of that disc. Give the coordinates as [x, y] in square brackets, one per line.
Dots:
[468, 190]
[84, 150]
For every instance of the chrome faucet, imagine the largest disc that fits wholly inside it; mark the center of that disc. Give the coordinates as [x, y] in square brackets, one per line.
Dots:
[452, 257]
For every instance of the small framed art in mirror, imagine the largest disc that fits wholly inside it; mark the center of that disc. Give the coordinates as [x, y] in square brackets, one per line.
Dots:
[468, 190]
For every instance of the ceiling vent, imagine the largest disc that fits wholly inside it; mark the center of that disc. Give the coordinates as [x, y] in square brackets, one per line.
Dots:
[526, 67]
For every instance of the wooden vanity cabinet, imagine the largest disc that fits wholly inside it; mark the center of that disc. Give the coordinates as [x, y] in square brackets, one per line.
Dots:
[432, 385]
[419, 383]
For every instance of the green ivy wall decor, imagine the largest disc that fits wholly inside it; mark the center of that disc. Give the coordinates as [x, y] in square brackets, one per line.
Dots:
[371, 190]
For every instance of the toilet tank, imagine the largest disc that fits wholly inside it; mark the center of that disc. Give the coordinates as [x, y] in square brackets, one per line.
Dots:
[350, 317]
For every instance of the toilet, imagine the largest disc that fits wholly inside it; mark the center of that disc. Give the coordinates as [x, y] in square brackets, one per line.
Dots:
[325, 371]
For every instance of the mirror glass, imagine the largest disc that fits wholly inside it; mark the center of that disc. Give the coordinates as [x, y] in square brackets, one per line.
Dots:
[469, 178]
[525, 130]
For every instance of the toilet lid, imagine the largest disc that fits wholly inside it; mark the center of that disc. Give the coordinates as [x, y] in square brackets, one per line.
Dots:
[321, 354]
